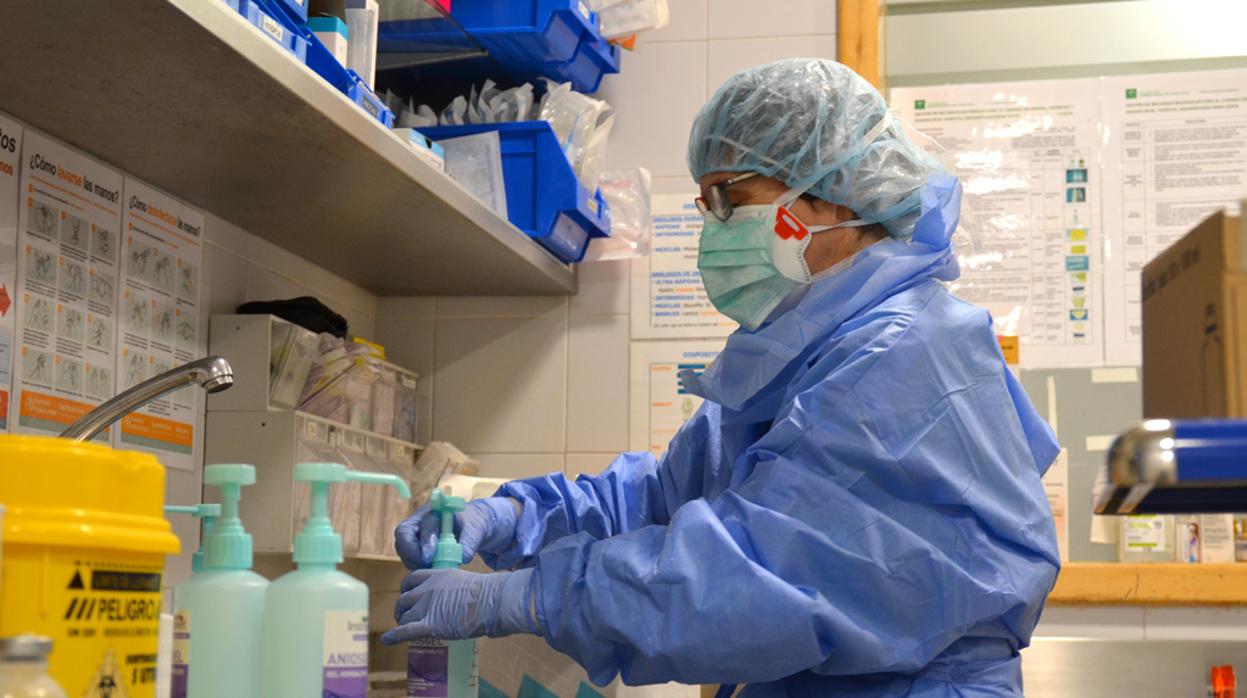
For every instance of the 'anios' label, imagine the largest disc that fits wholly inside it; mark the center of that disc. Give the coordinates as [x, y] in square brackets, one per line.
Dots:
[346, 654]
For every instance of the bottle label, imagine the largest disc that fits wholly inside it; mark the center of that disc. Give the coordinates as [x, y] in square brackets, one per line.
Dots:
[1146, 532]
[346, 654]
[428, 668]
[181, 654]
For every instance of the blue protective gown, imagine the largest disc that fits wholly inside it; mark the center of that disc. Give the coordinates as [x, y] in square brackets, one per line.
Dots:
[856, 509]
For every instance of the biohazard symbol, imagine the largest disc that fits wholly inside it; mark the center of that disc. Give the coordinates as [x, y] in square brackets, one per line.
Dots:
[107, 682]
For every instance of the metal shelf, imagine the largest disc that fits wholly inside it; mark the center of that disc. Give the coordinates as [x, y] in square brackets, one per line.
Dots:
[187, 95]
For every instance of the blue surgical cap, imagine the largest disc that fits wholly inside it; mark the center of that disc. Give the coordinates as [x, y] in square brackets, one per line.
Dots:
[804, 121]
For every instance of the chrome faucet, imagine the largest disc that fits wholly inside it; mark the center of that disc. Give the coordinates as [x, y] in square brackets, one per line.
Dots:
[213, 374]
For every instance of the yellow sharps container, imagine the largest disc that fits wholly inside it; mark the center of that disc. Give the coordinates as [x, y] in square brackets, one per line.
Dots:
[85, 541]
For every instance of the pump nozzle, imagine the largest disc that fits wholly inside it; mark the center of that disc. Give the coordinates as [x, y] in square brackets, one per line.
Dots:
[208, 513]
[449, 553]
[318, 543]
[228, 547]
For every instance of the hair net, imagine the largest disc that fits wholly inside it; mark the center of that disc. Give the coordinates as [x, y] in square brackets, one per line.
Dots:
[803, 121]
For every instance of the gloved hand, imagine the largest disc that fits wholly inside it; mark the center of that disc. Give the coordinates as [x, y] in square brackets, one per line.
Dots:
[484, 525]
[457, 605]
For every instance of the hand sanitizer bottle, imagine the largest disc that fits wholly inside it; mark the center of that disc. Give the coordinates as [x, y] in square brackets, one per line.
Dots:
[440, 668]
[316, 617]
[218, 611]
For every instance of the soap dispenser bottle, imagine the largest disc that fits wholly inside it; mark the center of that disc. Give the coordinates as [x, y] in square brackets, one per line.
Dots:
[441, 668]
[316, 617]
[218, 611]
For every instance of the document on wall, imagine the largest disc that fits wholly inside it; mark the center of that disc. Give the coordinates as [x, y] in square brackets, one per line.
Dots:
[660, 405]
[160, 305]
[1026, 154]
[1056, 487]
[10, 172]
[1175, 151]
[668, 299]
[68, 245]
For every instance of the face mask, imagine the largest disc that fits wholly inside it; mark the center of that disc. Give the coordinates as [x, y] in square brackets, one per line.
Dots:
[756, 260]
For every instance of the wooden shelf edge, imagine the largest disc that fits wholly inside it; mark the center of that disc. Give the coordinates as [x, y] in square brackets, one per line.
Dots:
[1120, 584]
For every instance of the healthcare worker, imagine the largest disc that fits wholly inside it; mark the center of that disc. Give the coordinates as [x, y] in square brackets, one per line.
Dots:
[856, 508]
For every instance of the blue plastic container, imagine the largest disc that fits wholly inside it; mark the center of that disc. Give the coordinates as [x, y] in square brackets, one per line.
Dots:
[271, 25]
[326, 65]
[527, 31]
[544, 197]
[296, 8]
[593, 60]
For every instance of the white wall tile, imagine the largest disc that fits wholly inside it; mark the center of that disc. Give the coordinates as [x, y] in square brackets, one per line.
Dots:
[1104, 622]
[515, 466]
[226, 280]
[501, 383]
[688, 23]
[497, 306]
[588, 463]
[265, 254]
[730, 56]
[658, 91]
[405, 307]
[602, 289]
[734, 19]
[263, 285]
[1195, 623]
[597, 383]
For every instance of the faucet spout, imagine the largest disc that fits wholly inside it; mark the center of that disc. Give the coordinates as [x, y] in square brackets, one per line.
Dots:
[213, 374]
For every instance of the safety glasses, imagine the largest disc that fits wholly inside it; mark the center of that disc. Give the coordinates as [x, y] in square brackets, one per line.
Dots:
[716, 201]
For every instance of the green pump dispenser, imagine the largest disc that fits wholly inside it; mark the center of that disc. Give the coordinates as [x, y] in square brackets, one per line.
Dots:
[217, 612]
[316, 617]
[437, 667]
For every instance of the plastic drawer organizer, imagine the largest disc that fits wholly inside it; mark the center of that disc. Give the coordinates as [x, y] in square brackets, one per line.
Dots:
[544, 196]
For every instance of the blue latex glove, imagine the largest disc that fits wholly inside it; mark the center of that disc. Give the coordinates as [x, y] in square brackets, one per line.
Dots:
[486, 525]
[457, 605]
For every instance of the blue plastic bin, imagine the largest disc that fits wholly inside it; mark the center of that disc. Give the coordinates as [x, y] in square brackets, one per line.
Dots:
[593, 60]
[527, 31]
[544, 197]
[326, 65]
[271, 25]
[296, 8]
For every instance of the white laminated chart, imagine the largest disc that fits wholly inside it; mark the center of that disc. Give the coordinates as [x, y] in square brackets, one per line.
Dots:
[1026, 154]
[160, 305]
[668, 299]
[660, 405]
[1175, 151]
[70, 215]
[10, 171]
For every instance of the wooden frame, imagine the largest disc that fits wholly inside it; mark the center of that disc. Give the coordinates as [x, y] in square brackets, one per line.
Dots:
[860, 39]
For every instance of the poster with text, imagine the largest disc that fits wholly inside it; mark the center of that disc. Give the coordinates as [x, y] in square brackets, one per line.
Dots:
[660, 405]
[1175, 150]
[668, 299]
[160, 305]
[68, 247]
[1026, 154]
[10, 172]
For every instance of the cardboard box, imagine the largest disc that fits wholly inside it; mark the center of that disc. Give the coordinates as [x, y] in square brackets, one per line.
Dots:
[1195, 323]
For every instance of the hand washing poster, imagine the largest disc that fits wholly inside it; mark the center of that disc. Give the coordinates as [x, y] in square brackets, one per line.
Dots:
[10, 172]
[67, 256]
[660, 405]
[162, 252]
[668, 299]
[1027, 154]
